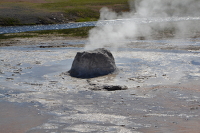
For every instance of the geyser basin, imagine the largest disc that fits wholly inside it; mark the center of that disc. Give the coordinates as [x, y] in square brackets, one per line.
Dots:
[94, 63]
[167, 106]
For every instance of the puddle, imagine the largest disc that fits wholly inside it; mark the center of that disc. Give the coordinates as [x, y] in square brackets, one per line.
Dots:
[195, 62]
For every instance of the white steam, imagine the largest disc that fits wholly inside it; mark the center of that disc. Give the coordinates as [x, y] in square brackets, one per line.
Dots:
[146, 19]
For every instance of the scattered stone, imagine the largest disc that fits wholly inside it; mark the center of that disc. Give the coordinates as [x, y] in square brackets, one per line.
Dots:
[108, 87]
[19, 64]
[34, 84]
[53, 82]
[28, 67]
[141, 79]
[7, 65]
[17, 71]
[114, 87]
[10, 78]
[61, 45]
[37, 62]
[51, 46]
[94, 63]
[1, 72]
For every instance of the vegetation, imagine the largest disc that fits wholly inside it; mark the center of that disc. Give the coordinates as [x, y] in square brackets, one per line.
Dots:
[55, 11]
[6, 21]
[76, 32]
[85, 9]
[16, 35]
[60, 4]
[30, 12]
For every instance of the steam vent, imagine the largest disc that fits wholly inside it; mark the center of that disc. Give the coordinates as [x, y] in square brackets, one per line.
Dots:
[94, 63]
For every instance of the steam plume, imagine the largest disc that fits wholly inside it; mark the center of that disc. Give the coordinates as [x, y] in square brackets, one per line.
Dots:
[146, 19]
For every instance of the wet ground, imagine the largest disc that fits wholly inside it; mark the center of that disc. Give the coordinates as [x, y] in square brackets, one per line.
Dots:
[162, 77]
[19, 117]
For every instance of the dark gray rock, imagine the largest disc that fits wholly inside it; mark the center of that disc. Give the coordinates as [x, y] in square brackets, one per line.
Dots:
[107, 87]
[94, 63]
[114, 87]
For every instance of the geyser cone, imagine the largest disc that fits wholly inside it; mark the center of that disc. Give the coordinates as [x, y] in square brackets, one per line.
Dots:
[94, 63]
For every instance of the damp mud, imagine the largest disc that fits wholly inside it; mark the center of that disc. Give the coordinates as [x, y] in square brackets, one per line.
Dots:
[20, 117]
[162, 95]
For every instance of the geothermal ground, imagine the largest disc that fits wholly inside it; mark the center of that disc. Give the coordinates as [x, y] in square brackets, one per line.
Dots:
[162, 77]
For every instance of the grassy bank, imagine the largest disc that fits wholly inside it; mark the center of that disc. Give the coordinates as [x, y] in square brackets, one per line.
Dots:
[22, 12]
[76, 32]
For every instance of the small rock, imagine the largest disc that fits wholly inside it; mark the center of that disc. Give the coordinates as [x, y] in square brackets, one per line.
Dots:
[37, 62]
[109, 87]
[19, 64]
[1, 72]
[114, 87]
[10, 78]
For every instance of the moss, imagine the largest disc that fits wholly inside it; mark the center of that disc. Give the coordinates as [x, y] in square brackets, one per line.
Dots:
[7, 21]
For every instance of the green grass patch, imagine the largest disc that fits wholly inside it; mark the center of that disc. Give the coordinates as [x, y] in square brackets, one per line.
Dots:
[76, 32]
[15, 35]
[83, 10]
[58, 4]
[7, 21]
[72, 10]
[86, 19]
[82, 14]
